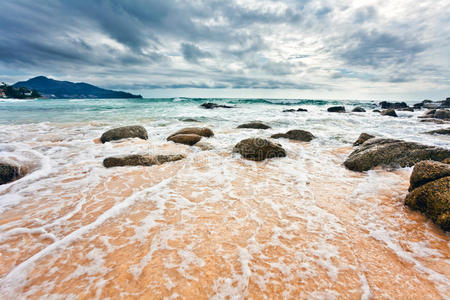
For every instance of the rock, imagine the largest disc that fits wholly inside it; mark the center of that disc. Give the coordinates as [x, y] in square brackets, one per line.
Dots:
[9, 172]
[433, 199]
[440, 131]
[426, 171]
[442, 114]
[392, 153]
[433, 121]
[302, 109]
[258, 149]
[338, 109]
[201, 131]
[140, 160]
[289, 110]
[376, 110]
[123, 133]
[186, 139]
[421, 104]
[389, 112]
[430, 105]
[394, 105]
[445, 103]
[358, 109]
[430, 112]
[362, 138]
[209, 105]
[254, 125]
[406, 109]
[204, 146]
[446, 161]
[190, 120]
[297, 135]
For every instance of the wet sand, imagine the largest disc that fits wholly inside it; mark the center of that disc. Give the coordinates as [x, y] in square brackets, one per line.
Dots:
[216, 226]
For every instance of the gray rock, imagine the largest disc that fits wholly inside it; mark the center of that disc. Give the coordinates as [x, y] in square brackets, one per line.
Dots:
[9, 172]
[297, 135]
[210, 105]
[445, 131]
[201, 131]
[358, 109]
[393, 105]
[339, 109]
[442, 114]
[254, 125]
[258, 149]
[186, 139]
[140, 160]
[392, 153]
[190, 120]
[362, 138]
[389, 112]
[123, 133]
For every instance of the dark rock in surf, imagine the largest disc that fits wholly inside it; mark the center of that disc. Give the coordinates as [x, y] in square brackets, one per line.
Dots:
[362, 138]
[297, 135]
[376, 110]
[9, 172]
[123, 133]
[433, 199]
[190, 120]
[186, 139]
[442, 114]
[201, 131]
[358, 109]
[289, 110]
[410, 109]
[140, 160]
[393, 105]
[338, 109]
[392, 153]
[445, 131]
[209, 105]
[389, 112]
[254, 125]
[302, 109]
[258, 149]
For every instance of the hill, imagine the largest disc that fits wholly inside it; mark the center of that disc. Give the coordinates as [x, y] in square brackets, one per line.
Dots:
[51, 88]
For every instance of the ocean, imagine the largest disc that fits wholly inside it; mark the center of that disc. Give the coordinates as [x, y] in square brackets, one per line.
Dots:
[211, 225]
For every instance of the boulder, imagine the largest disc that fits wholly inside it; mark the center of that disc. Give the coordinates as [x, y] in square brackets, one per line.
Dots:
[442, 114]
[389, 112]
[140, 160]
[433, 121]
[433, 199]
[301, 109]
[411, 109]
[376, 110]
[392, 153]
[445, 131]
[258, 149]
[358, 109]
[362, 138]
[254, 125]
[297, 135]
[123, 133]
[289, 110]
[9, 172]
[201, 131]
[190, 120]
[394, 105]
[445, 103]
[338, 109]
[426, 171]
[209, 105]
[186, 139]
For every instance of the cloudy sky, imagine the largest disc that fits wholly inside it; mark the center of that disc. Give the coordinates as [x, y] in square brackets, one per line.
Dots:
[397, 49]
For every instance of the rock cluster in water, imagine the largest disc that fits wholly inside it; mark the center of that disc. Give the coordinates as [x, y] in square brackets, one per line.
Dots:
[392, 153]
[430, 191]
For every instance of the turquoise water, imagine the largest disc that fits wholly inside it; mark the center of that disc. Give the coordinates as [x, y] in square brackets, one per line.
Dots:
[69, 110]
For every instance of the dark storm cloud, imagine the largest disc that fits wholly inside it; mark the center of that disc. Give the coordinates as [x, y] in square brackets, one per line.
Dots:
[234, 44]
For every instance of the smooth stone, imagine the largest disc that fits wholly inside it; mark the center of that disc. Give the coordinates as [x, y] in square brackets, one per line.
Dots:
[140, 160]
[389, 112]
[135, 131]
[201, 131]
[254, 125]
[358, 109]
[338, 109]
[297, 135]
[186, 139]
[258, 149]
[394, 105]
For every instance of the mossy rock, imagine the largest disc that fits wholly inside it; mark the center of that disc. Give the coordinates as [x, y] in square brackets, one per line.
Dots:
[362, 138]
[140, 160]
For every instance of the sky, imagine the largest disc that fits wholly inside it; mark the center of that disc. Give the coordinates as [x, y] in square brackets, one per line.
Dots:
[397, 49]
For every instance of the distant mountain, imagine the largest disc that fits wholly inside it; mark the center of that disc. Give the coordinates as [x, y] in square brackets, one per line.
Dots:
[51, 88]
